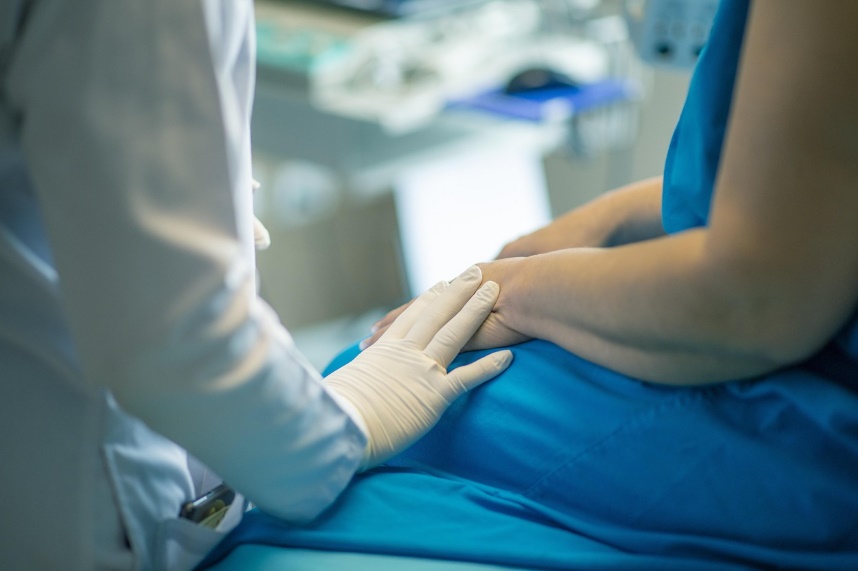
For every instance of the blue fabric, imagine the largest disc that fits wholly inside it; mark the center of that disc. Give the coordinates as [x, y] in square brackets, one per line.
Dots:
[562, 464]
[695, 149]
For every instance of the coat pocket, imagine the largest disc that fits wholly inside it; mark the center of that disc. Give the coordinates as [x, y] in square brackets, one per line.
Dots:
[182, 544]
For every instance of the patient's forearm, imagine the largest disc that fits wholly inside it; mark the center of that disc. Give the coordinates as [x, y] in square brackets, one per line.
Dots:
[624, 215]
[633, 212]
[660, 310]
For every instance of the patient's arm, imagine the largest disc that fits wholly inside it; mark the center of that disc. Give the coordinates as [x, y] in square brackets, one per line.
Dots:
[629, 214]
[774, 276]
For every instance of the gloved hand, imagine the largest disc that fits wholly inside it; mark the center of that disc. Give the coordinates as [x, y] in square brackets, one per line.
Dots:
[400, 386]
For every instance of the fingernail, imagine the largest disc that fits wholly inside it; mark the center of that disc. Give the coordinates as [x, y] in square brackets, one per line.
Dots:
[471, 274]
[374, 327]
[363, 344]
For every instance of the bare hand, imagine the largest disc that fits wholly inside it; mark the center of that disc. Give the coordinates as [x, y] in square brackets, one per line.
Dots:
[575, 229]
[496, 330]
[628, 214]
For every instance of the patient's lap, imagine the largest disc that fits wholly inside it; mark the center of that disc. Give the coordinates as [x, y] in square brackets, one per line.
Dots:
[583, 443]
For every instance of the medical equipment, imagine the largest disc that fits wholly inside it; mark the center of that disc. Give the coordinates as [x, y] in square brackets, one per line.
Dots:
[402, 72]
[670, 33]
[212, 504]
[395, 7]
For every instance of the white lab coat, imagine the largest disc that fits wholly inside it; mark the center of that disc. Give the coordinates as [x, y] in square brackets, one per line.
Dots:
[127, 300]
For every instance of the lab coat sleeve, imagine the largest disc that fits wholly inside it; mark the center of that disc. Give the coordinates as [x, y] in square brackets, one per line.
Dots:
[134, 118]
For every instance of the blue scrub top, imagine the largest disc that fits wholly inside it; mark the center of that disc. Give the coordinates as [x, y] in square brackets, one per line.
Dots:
[695, 150]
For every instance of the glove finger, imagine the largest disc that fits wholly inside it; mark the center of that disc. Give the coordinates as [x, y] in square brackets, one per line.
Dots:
[379, 328]
[445, 307]
[375, 336]
[261, 237]
[452, 337]
[470, 376]
[390, 316]
[403, 324]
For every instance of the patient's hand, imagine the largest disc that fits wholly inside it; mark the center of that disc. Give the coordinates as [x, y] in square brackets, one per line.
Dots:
[575, 229]
[628, 214]
[495, 331]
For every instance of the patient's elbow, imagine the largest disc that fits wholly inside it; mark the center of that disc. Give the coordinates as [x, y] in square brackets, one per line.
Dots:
[788, 347]
[776, 313]
[781, 334]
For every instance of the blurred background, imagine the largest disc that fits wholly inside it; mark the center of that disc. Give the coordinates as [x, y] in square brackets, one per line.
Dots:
[399, 141]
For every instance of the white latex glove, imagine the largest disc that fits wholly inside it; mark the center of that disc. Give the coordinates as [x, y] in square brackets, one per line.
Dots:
[400, 386]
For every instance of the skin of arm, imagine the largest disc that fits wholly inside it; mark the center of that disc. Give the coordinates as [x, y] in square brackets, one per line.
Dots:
[625, 215]
[628, 214]
[773, 276]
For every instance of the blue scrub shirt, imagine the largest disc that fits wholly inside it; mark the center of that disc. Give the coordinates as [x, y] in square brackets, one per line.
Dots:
[695, 149]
